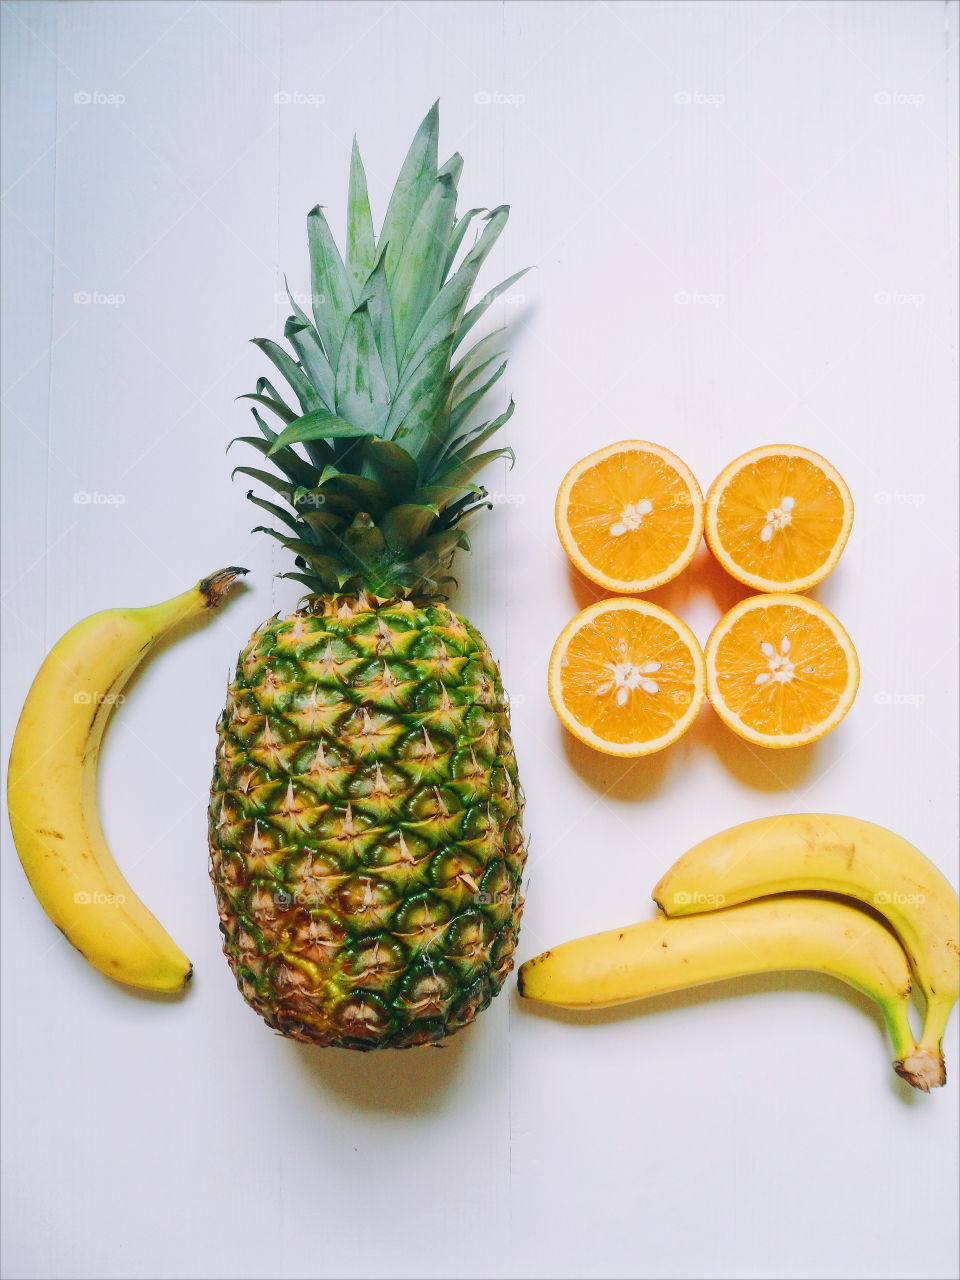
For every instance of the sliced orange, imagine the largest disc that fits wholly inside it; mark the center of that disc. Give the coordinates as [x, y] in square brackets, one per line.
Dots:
[778, 518]
[627, 677]
[781, 671]
[630, 516]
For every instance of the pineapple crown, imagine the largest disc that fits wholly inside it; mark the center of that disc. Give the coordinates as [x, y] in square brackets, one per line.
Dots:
[376, 465]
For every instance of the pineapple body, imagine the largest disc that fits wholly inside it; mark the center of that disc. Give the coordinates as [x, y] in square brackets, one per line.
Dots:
[365, 824]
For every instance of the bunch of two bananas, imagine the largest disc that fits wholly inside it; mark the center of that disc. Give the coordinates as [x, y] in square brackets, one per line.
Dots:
[745, 901]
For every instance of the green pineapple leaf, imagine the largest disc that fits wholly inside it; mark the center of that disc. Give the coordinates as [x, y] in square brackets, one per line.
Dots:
[461, 447]
[278, 513]
[316, 584]
[392, 466]
[456, 237]
[269, 479]
[444, 314]
[364, 539]
[464, 407]
[446, 541]
[406, 525]
[319, 453]
[465, 468]
[332, 294]
[267, 432]
[443, 496]
[293, 468]
[376, 295]
[266, 388]
[324, 523]
[297, 545]
[419, 270]
[367, 494]
[300, 384]
[459, 387]
[318, 425]
[363, 396]
[414, 412]
[453, 168]
[275, 406]
[361, 245]
[417, 175]
[305, 341]
[324, 499]
[478, 354]
[295, 307]
[474, 314]
[457, 511]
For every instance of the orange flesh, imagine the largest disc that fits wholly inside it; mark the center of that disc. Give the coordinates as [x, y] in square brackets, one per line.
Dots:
[820, 670]
[816, 518]
[604, 645]
[597, 503]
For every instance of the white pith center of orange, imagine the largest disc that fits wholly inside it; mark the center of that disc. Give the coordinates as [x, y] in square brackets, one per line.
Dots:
[778, 518]
[626, 676]
[778, 666]
[631, 517]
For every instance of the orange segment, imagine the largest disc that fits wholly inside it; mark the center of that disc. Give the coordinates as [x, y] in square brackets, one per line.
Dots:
[627, 677]
[781, 671]
[778, 518]
[630, 516]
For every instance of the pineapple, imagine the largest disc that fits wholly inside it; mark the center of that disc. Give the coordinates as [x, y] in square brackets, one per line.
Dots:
[365, 815]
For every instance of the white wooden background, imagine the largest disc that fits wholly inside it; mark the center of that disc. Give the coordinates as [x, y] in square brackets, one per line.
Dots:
[744, 221]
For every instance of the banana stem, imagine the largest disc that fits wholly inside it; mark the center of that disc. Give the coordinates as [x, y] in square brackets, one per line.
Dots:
[899, 1029]
[922, 1065]
[206, 594]
[935, 1022]
[923, 1068]
[214, 587]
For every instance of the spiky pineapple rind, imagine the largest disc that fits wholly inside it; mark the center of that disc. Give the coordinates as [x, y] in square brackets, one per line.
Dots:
[365, 824]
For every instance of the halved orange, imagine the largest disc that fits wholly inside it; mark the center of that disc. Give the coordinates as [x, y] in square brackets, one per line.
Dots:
[778, 517]
[627, 677]
[630, 516]
[781, 670]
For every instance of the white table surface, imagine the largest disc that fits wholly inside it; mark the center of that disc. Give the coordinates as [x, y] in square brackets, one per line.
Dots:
[744, 221]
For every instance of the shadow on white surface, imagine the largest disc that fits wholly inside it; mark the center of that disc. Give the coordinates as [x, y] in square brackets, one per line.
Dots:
[704, 577]
[408, 1081]
[612, 777]
[739, 988]
[152, 997]
[760, 768]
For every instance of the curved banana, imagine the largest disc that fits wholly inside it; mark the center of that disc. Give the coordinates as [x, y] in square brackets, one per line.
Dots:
[823, 851]
[662, 955]
[52, 789]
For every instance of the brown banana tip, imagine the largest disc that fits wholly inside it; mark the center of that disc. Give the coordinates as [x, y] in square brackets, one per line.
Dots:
[923, 1069]
[521, 981]
[215, 587]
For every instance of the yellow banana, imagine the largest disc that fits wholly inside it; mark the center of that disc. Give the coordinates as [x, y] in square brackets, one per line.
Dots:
[52, 789]
[662, 955]
[822, 851]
